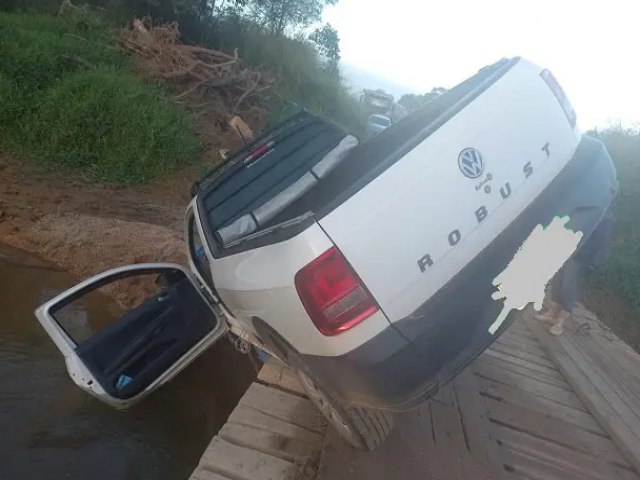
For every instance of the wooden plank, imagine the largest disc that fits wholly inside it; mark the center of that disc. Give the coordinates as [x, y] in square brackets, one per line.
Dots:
[289, 381]
[519, 329]
[271, 371]
[516, 396]
[421, 422]
[602, 339]
[537, 469]
[555, 378]
[206, 475]
[446, 395]
[275, 373]
[537, 358]
[287, 448]
[596, 394]
[530, 348]
[554, 429]
[563, 396]
[519, 339]
[449, 457]
[475, 419]
[505, 352]
[290, 408]
[447, 427]
[588, 465]
[625, 364]
[620, 368]
[610, 373]
[619, 359]
[243, 415]
[242, 463]
[525, 371]
[519, 343]
[518, 361]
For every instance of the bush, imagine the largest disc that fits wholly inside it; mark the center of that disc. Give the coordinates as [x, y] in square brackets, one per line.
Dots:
[621, 273]
[110, 126]
[9, 105]
[70, 101]
[35, 50]
[301, 80]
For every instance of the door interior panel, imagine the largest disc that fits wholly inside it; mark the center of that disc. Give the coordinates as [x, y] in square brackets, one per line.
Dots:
[147, 340]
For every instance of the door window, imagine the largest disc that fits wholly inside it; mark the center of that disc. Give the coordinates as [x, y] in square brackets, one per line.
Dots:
[129, 330]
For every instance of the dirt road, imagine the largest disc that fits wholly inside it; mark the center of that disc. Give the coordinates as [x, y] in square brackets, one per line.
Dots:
[86, 228]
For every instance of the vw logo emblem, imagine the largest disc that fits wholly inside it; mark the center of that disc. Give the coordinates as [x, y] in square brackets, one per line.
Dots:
[471, 163]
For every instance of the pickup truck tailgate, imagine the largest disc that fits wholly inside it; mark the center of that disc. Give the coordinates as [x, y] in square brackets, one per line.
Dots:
[410, 230]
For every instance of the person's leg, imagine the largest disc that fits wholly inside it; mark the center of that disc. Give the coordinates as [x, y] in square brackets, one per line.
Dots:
[569, 290]
[551, 310]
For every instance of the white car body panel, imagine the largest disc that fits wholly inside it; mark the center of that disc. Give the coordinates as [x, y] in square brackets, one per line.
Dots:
[260, 283]
[384, 243]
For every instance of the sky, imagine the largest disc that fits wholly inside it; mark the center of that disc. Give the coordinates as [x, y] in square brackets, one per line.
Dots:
[592, 47]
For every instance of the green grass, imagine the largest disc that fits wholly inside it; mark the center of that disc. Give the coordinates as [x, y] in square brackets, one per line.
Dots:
[69, 100]
[110, 126]
[613, 292]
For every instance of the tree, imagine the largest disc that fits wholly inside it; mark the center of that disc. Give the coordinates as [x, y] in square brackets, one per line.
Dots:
[283, 16]
[327, 43]
[170, 9]
[412, 102]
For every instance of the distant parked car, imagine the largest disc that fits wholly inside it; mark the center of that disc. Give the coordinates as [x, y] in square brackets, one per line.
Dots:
[377, 123]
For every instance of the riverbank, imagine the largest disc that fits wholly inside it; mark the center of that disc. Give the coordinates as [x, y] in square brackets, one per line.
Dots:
[87, 228]
[84, 229]
[52, 429]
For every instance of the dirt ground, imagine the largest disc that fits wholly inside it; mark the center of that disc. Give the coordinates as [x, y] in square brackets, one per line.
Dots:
[85, 228]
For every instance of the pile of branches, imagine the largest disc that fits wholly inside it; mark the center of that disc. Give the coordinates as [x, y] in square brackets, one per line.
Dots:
[200, 76]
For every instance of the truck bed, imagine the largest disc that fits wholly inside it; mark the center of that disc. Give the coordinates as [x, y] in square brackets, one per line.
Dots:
[249, 180]
[266, 175]
[374, 156]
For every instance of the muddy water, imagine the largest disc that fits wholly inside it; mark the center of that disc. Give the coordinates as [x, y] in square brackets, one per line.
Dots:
[51, 429]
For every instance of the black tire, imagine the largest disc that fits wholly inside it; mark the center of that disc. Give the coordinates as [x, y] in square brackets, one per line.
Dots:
[362, 427]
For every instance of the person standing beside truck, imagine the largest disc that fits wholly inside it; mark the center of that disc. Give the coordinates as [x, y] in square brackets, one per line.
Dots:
[566, 285]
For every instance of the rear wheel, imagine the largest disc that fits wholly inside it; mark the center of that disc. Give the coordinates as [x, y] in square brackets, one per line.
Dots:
[364, 428]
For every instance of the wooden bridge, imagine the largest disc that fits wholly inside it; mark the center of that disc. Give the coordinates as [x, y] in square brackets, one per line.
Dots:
[533, 406]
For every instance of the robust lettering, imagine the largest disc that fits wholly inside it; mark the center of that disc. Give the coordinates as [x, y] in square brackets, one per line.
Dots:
[481, 213]
[545, 149]
[505, 190]
[425, 262]
[454, 237]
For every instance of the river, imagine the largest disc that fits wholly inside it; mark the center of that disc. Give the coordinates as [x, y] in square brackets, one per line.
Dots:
[51, 429]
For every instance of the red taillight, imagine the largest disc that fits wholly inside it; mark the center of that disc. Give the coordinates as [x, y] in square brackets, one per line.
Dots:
[333, 295]
[562, 98]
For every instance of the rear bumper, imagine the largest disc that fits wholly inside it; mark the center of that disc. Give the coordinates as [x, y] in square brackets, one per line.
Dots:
[408, 362]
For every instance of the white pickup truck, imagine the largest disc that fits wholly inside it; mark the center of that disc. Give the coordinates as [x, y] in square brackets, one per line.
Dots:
[367, 268]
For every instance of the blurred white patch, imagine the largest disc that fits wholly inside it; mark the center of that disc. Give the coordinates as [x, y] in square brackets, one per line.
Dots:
[533, 266]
